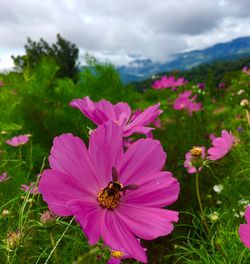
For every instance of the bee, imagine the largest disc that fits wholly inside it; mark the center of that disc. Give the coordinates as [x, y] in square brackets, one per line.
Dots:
[115, 186]
[109, 197]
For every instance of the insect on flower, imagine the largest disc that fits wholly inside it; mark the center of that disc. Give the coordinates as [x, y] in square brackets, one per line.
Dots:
[109, 197]
[115, 195]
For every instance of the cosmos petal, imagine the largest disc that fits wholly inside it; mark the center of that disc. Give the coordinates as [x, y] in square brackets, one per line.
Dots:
[147, 222]
[116, 235]
[161, 190]
[88, 215]
[70, 156]
[57, 188]
[142, 159]
[141, 120]
[104, 152]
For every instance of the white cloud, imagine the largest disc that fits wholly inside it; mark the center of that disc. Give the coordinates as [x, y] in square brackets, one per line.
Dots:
[115, 29]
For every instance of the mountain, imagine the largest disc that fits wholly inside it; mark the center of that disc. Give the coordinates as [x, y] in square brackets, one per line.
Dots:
[141, 69]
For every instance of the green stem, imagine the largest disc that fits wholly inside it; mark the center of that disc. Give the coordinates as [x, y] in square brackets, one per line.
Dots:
[53, 245]
[217, 246]
[58, 241]
[200, 203]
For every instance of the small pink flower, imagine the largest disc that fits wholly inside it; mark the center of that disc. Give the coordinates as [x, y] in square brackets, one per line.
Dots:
[246, 70]
[32, 188]
[18, 140]
[221, 145]
[244, 230]
[114, 195]
[221, 85]
[4, 177]
[1, 83]
[168, 82]
[201, 86]
[47, 217]
[183, 101]
[121, 114]
[192, 160]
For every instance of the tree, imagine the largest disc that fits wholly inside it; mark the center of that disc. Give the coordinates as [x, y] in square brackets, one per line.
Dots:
[63, 52]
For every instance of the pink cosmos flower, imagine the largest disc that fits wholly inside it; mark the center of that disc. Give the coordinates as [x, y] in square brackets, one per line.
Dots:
[201, 86]
[221, 145]
[221, 85]
[246, 70]
[244, 230]
[4, 177]
[115, 195]
[183, 101]
[190, 160]
[168, 82]
[102, 111]
[18, 140]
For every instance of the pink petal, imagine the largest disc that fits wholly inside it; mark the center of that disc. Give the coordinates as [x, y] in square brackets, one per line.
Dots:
[247, 214]
[244, 232]
[191, 170]
[228, 137]
[106, 149]
[161, 190]
[117, 235]
[69, 155]
[88, 215]
[88, 108]
[143, 119]
[143, 158]
[122, 108]
[147, 222]
[114, 261]
[219, 142]
[58, 188]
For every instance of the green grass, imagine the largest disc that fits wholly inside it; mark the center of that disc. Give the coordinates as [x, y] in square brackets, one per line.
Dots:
[36, 102]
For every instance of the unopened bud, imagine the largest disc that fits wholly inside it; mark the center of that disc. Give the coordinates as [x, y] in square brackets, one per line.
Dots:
[13, 239]
[47, 218]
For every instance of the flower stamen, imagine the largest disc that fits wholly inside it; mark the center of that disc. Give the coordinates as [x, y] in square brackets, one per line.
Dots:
[116, 254]
[196, 151]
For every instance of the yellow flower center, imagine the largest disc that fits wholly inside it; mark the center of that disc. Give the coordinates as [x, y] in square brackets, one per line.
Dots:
[116, 254]
[109, 197]
[196, 151]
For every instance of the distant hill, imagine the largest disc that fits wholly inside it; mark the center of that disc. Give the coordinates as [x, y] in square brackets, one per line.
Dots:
[229, 51]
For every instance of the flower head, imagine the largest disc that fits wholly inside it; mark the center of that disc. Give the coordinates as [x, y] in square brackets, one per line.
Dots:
[246, 70]
[13, 239]
[244, 230]
[105, 187]
[1, 83]
[218, 188]
[221, 85]
[4, 177]
[194, 159]
[221, 145]
[32, 188]
[201, 86]
[18, 140]
[168, 82]
[244, 103]
[183, 101]
[102, 111]
[47, 218]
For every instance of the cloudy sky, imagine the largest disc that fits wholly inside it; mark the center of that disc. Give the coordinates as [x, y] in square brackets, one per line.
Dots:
[118, 30]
